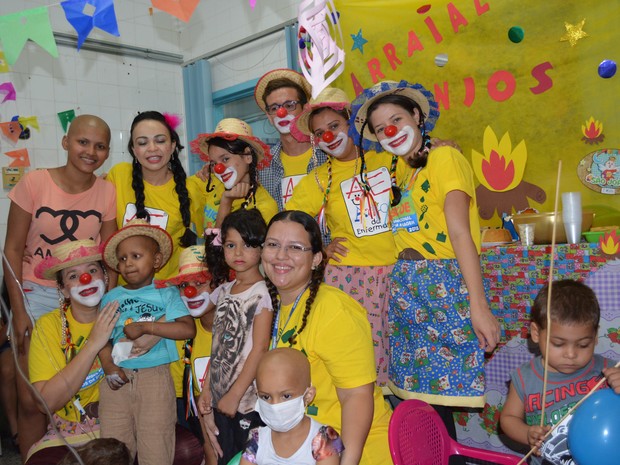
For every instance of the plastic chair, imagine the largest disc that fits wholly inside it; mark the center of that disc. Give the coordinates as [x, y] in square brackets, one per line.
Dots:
[417, 436]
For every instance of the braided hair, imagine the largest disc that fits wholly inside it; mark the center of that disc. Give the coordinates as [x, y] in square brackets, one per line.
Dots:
[318, 272]
[238, 147]
[178, 173]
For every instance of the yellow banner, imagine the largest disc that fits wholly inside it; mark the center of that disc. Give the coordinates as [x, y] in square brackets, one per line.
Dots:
[520, 85]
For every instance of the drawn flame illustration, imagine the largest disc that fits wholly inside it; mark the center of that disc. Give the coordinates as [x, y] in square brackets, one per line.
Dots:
[610, 243]
[501, 167]
[592, 131]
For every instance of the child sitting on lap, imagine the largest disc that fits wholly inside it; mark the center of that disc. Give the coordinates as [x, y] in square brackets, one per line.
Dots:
[284, 391]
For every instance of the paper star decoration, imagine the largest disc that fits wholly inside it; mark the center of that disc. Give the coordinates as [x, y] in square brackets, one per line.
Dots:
[574, 32]
[358, 41]
[182, 9]
[103, 17]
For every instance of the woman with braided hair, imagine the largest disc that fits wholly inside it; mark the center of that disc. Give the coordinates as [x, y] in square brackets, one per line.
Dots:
[332, 330]
[351, 194]
[233, 155]
[160, 191]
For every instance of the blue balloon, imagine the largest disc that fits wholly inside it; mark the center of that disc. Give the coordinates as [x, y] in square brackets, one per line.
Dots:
[594, 430]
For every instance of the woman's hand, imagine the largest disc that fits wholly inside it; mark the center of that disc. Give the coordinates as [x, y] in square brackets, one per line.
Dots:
[228, 404]
[238, 191]
[22, 328]
[104, 324]
[336, 247]
[486, 327]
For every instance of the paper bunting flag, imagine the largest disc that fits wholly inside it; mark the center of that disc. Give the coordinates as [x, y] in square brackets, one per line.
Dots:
[20, 157]
[11, 130]
[8, 89]
[252, 3]
[29, 121]
[320, 57]
[65, 118]
[182, 9]
[4, 66]
[103, 17]
[17, 28]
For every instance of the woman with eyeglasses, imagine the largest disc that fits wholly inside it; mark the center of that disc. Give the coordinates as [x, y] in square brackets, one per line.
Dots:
[351, 195]
[332, 330]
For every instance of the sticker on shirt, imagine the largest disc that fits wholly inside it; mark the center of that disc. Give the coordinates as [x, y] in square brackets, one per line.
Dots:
[288, 184]
[374, 219]
[94, 375]
[200, 370]
[158, 217]
[403, 215]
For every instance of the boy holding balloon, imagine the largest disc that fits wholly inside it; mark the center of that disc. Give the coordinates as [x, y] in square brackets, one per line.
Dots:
[573, 369]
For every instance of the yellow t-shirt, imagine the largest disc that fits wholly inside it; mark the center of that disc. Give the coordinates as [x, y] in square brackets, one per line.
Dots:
[368, 236]
[295, 169]
[201, 351]
[162, 203]
[419, 221]
[264, 203]
[338, 344]
[47, 358]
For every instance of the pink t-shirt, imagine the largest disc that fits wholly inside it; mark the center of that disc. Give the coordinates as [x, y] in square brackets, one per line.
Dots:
[58, 217]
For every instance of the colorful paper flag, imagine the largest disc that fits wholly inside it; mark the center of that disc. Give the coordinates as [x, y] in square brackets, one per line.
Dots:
[17, 28]
[65, 118]
[20, 157]
[29, 121]
[11, 130]
[182, 9]
[8, 89]
[103, 17]
[4, 66]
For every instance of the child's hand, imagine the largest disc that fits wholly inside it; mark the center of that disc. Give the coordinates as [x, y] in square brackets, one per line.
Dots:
[135, 330]
[613, 378]
[238, 191]
[535, 436]
[115, 377]
[228, 404]
[143, 344]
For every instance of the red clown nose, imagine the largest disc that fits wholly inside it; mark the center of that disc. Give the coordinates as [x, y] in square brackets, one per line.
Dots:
[390, 131]
[328, 136]
[190, 291]
[281, 113]
[219, 168]
[86, 278]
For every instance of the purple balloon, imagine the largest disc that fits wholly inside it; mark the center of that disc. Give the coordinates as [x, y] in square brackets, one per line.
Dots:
[607, 69]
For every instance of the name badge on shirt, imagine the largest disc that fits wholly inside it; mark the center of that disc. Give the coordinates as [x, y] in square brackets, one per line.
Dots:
[403, 215]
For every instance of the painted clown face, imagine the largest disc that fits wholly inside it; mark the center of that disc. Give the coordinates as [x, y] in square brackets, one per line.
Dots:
[396, 129]
[84, 284]
[195, 296]
[330, 129]
[229, 168]
[282, 118]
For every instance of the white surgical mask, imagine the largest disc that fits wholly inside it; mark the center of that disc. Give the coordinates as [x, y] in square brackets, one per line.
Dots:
[404, 147]
[339, 150]
[228, 178]
[284, 416]
[280, 125]
[91, 300]
[197, 304]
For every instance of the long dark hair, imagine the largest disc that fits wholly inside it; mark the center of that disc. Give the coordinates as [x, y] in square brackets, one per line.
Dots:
[251, 227]
[178, 173]
[318, 272]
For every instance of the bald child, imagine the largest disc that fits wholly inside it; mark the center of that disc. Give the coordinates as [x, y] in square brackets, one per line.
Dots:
[284, 390]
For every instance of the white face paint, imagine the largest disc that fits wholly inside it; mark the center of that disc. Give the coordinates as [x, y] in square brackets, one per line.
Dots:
[283, 125]
[401, 143]
[336, 147]
[197, 304]
[228, 177]
[90, 294]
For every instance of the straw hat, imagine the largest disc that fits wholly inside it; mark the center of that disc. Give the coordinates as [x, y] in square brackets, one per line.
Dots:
[137, 227]
[192, 266]
[282, 73]
[230, 129]
[415, 92]
[66, 255]
[330, 97]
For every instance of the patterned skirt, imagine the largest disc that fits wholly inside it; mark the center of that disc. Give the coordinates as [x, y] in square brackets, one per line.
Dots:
[434, 352]
[369, 286]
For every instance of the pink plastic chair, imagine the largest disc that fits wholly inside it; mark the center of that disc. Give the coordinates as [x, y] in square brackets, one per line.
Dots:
[417, 436]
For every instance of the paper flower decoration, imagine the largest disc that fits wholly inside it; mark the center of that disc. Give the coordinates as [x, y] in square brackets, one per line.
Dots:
[321, 58]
